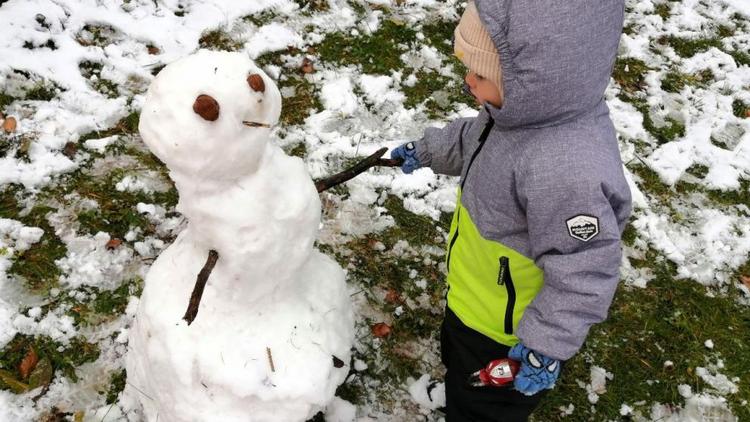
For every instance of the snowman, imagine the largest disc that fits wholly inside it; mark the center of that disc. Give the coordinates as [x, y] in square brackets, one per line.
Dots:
[273, 330]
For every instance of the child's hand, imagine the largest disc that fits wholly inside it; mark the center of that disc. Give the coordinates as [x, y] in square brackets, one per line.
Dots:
[408, 153]
[537, 371]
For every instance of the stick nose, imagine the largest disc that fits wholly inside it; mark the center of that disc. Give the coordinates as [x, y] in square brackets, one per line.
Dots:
[255, 124]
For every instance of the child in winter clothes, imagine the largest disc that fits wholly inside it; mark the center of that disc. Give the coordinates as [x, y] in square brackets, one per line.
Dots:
[534, 247]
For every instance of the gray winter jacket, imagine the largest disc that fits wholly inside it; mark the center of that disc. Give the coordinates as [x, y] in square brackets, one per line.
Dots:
[544, 185]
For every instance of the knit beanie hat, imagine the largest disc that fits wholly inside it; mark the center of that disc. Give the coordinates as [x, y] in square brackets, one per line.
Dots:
[474, 47]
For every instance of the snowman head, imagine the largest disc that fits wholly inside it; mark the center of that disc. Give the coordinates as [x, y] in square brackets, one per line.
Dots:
[208, 115]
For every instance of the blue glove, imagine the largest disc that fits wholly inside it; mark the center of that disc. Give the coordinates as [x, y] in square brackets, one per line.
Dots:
[408, 153]
[537, 371]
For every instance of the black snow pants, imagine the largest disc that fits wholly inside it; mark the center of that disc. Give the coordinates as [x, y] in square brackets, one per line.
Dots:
[464, 351]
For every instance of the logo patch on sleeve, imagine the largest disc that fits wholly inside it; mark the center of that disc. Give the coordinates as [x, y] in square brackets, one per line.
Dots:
[583, 227]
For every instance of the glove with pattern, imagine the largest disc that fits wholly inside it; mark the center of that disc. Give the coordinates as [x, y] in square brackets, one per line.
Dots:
[408, 153]
[537, 372]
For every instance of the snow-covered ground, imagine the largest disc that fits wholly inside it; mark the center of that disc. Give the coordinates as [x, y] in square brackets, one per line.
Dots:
[94, 59]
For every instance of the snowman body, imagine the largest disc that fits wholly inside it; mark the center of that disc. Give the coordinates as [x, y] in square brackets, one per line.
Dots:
[275, 313]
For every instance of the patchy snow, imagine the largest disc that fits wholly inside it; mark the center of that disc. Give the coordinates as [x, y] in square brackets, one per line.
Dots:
[360, 113]
[427, 393]
[598, 384]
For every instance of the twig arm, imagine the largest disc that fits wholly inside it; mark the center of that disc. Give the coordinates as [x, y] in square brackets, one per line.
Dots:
[360, 167]
[200, 284]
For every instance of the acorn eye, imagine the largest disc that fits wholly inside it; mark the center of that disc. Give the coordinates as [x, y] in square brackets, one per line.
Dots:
[206, 107]
[256, 83]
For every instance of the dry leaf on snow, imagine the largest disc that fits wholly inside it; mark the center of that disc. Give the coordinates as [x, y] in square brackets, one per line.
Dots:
[28, 363]
[381, 329]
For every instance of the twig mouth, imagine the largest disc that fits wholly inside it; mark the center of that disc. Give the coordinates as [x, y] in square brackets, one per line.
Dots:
[255, 124]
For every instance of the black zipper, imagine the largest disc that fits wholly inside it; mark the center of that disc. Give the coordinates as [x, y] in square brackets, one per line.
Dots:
[504, 278]
[453, 240]
[481, 140]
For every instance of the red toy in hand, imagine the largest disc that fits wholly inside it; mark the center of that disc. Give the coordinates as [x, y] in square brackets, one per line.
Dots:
[497, 373]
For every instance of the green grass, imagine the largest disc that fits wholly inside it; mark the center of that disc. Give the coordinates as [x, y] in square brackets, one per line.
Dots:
[63, 357]
[663, 9]
[116, 213]
[97, 35]
[128, 125]
[297, 108]
[5, 100]
[689, 47]
[36, 265]
[675, 81]
[218, 39]
[395, 357]
[116, 384]
[425, 90]
[740, 109]
[378, 53]
[668, 320]
[41, 91]
[103, 86]
[100, 306]
[630, 74]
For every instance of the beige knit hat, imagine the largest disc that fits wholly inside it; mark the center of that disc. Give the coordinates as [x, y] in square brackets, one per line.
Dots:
[474, 47]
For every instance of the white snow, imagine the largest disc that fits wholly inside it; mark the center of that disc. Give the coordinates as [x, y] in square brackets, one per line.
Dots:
[14, 238]
[426, 392]
[340, 410]
[598, 384]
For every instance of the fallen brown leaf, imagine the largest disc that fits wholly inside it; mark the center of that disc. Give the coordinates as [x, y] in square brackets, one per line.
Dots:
[307, 66]
[153, 50]
[381, 329]
[113, 244]
[70, 149]
[10, 380]
[28, 363]
[10, 124]
[42, 375]
[392, 296]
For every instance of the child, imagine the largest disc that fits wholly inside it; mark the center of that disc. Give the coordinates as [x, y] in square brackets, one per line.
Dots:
[534, 248]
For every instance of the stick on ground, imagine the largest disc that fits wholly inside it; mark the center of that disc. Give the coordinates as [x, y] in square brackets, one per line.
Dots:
[200, 284]
[361, 166]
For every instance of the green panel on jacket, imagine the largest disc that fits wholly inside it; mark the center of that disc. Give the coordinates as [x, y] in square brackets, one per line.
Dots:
[490, 284]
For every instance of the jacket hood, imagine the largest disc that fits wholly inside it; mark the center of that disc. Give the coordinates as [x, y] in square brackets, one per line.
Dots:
[556, 57]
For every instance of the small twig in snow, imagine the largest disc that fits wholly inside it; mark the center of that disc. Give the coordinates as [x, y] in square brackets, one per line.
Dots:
[139, 390]
[270, 359]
